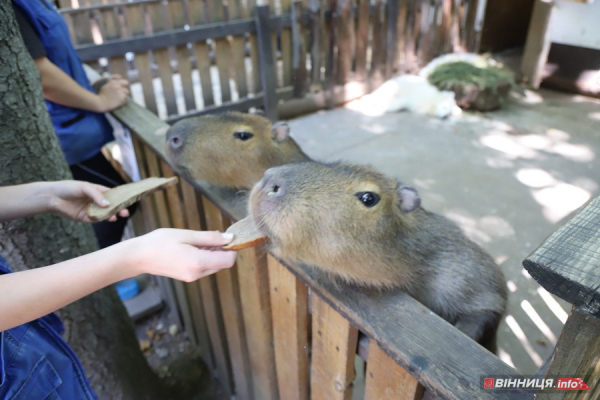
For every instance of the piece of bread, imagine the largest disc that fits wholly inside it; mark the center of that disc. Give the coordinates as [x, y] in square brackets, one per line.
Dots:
[123, 196]
[245, 235]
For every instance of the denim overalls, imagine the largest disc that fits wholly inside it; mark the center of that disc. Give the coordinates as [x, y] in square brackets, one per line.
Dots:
[81, 133]
[37, 364]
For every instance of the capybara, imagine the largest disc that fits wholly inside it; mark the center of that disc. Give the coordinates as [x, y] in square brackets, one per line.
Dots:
[368, 229]
[231, 149]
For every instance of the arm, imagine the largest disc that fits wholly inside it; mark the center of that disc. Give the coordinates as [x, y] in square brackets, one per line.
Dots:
[67, 198]
[175, 253]
[60, 88]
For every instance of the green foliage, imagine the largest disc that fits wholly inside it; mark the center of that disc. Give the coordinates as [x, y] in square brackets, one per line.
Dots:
[461, 73]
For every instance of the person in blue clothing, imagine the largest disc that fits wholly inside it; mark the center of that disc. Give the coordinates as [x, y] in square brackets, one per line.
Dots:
[35, 362]
[76, 110]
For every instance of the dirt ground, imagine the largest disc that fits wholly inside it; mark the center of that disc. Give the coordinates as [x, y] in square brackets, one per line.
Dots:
[508, 178]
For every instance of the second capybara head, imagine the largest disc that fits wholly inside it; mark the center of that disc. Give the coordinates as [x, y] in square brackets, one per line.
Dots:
[231, 149]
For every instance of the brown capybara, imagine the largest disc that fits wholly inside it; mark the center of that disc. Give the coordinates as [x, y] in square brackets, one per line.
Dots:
[232, 149]
[367, 229]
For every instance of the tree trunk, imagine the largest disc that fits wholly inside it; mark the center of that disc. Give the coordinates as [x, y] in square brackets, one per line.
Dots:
[97, 327]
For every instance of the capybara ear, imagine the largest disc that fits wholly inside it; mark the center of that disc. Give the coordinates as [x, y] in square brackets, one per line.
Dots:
[409, 198]
[280, 131]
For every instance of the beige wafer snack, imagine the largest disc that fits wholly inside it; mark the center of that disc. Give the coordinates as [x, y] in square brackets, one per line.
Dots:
[245, 235]
[123, 196]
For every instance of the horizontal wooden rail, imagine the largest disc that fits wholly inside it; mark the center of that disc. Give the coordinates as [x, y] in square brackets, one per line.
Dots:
[441, 358]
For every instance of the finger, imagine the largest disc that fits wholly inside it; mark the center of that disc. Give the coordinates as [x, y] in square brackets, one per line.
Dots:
[217, 259]
[101, 188]
[205, 238]
[112, 219]
[95, 194]
[124, 213]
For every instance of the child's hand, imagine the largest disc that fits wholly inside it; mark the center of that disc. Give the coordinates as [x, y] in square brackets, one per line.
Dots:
[71, 198]
[180, 254]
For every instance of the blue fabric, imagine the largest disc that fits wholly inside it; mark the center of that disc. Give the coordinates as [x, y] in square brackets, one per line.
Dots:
[36, 363]
[81, 133]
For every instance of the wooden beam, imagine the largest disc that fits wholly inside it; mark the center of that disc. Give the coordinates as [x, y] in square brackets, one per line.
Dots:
[567, 264]
[538, 41]
[267, 63]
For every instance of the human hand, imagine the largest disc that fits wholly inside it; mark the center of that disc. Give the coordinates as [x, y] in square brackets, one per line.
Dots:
[113, 94]
[71, 199]
[180, 254]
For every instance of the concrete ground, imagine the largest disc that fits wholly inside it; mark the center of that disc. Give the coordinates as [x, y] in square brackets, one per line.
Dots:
[508, 178]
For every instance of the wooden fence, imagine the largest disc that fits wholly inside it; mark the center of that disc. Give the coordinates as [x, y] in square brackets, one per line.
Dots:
[210, 55]
[273, 330]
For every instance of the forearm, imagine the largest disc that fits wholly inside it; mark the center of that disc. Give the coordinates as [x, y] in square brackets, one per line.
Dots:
[60, 88]
[24, 200]
[27, 295]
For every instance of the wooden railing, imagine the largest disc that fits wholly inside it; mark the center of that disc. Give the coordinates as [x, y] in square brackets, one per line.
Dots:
[300, 56]
[275, 330]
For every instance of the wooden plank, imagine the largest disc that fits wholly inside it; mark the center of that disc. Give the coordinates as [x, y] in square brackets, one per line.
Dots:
[253, 281]
[315, 40]
[159, 196]
[362, 39]
[238, 50]
[193, 291]
[423, 40]
[345, 31]
[176, 13]
[471, 38]
[392, 8]
[299, 49]
[254, 55]
[147, 204]
[177, 216]
[118, 65]
[378, 42]
[142, 61]
[201, 51]
[286, 46]
[401, 35]
[455, 28]
[216, 328]
[134, 15]
[538, 42]
[81, 28]
[184, 66]
[165, 73]
[195, 12]
[333, 351]
[567, 264]
[577, 354]
[231, 311]
[386, 380]
[331, 65]
[267, 64]
[411, 33]
[222, 50]
[289, 303]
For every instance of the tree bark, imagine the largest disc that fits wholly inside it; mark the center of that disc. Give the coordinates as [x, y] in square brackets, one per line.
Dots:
[97, 327]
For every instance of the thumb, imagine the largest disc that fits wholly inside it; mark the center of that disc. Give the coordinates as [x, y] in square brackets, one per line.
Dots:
[96, 195]
[209, 238]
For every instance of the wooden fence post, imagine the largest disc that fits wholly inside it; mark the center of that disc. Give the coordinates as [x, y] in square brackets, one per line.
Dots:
[566, 265]
[267, 64]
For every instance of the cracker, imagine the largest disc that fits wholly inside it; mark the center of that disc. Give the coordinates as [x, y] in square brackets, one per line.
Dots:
[123, 196]
[245, 235]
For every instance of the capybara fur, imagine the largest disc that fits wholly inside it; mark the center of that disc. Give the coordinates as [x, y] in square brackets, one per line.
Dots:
[231, 149]
[368, 229]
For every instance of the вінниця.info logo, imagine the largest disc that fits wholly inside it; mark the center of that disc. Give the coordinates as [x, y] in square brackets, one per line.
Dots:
[508, 383]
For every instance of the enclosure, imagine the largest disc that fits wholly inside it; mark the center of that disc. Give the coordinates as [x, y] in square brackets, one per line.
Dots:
[269, 329]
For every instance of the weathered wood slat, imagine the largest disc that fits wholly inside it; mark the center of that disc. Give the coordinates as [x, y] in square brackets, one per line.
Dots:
[228, 288]
[286, 46]
[253, 280]
[184, 65]
[147, 207]
[134, 16]
[222, 50]
[577, 354]
[194, 294]
[299, 50]
[378, 42]
[537, 45]
[345, 31]
[195, 12]
[401, 35]
[392, 8]
[386, 380]
[472, 37]
[289, 304]
[238, 50]
[165, 73]
[81, 27]
[334, 342]
[362, 39]
[567, 264]
[267, 63]
[118, 65]
[142, 61]
[201, 51]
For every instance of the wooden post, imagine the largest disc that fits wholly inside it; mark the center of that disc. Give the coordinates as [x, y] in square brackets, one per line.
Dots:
[333, 352]
[392, 9]
[298, 50]
[289, 299]
[386, 380]
[267, 65]
[537, 44]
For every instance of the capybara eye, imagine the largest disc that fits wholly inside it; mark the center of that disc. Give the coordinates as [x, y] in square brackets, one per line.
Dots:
[369, 199]
[243, 135]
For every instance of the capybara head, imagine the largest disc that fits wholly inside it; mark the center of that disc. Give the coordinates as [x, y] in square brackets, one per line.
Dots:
[343, 218]
[368, 229]
[232, 149]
